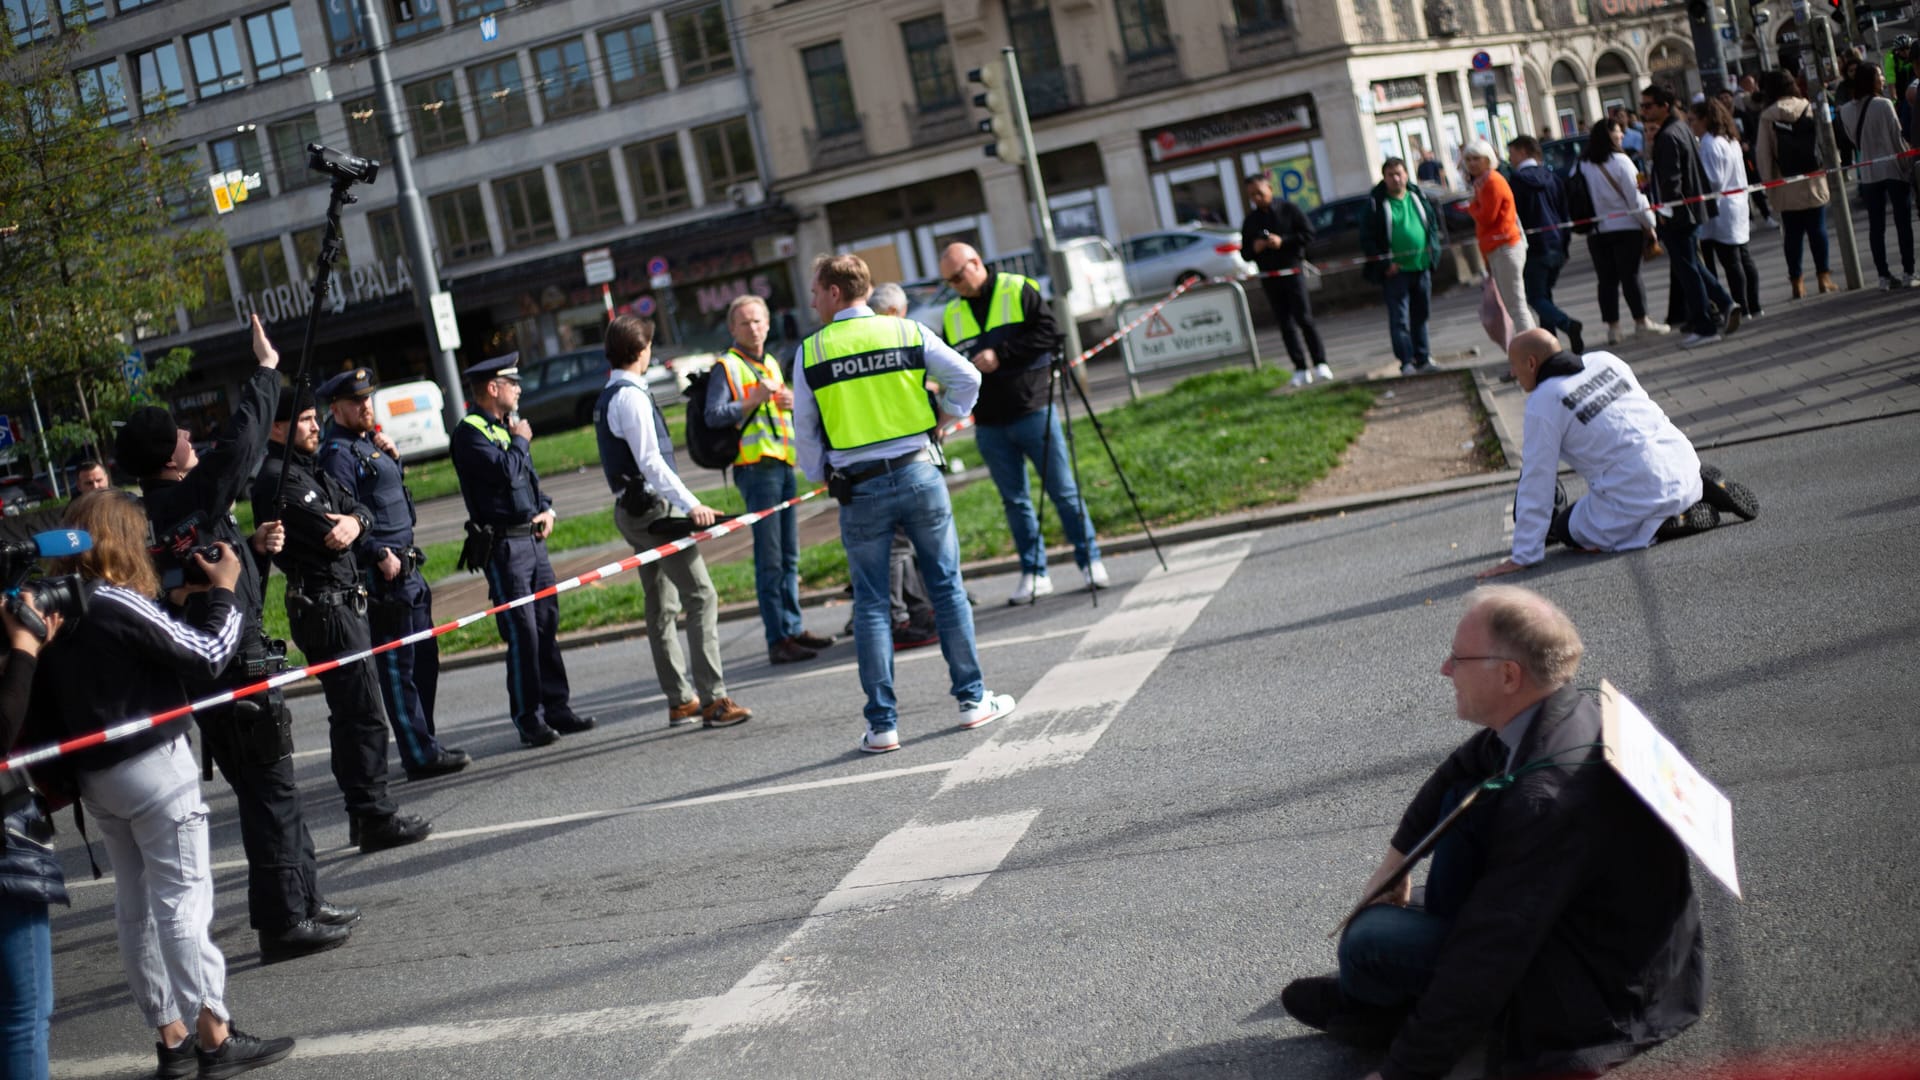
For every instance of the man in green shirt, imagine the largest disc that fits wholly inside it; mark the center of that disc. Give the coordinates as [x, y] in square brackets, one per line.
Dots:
[1402, 235]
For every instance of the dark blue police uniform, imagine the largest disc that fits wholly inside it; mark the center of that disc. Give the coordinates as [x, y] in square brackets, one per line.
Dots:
[397, 607]
[502, 493]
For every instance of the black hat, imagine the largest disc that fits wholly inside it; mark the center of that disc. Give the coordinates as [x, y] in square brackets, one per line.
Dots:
[500, 367]
[358, 382]
[146, 441]
[286, 410]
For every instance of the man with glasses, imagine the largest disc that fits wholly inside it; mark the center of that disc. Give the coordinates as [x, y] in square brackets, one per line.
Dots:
[508, 521]
[1558, 931]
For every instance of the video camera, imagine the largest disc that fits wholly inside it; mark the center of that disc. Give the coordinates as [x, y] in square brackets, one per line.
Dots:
[341, 166]
[173, 553]
[65, 595]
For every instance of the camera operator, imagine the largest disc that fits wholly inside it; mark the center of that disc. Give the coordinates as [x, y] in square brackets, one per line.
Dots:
[143, 791]
[251, 739]
[365, 461]
[30, 877]
[327, 610]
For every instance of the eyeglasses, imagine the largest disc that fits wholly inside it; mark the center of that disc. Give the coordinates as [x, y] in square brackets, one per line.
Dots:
[954, 279]
[1454, 660]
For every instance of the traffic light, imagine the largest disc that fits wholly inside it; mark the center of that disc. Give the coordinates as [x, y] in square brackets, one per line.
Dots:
[1000, 103]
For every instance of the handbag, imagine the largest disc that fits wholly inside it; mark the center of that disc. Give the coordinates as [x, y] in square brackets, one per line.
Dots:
[1493, 314]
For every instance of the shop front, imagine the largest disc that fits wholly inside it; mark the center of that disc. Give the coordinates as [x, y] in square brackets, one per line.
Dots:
[1196, 166]
[901, 231]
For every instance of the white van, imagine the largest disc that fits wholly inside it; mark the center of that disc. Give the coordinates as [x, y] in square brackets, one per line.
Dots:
[410, 415]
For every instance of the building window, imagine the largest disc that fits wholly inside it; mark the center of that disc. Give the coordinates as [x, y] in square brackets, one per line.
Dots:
[930, 60]
[831, 90]
[216, 61]
[88, 10]
[1030, 25]
[289, 139]
[700, 46]
[157, 78]
[1259, 16]
[100, 88]
[659, 176]
[263, 267]
[633, 61]
[460, 224]
[388, 247]
[363, 129]
[306, 253]
[275, 42]
[726, 156]
[526, 213]
[193, 200]
[408, 19]
[434, 108]
[566, 86]
[240, 152]
[500, 102]
[473, 9]
[216, 301]
[345, 34]
[1143, 29]
[28, 20]
[587, 190]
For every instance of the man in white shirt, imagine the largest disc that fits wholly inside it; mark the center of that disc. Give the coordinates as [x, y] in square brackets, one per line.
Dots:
[636, 453]
[860, 418]
[1644, 481]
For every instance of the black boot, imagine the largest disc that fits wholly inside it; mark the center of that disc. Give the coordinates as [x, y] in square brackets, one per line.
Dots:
[303, 938]
[396, 830]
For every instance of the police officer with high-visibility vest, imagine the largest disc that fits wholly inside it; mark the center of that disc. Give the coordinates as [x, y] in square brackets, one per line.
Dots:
[750, 395]
[1002, 324]
[861, 417]
[508, 521]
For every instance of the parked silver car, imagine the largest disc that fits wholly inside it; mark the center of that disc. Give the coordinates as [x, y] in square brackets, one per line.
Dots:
[1158, 261]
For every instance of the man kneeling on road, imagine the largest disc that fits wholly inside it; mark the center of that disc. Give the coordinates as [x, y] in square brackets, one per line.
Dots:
[1559, 932]
[1644, 482]
[860, 419]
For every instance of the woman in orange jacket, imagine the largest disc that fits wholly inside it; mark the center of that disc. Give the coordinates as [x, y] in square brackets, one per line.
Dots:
[1496, 226]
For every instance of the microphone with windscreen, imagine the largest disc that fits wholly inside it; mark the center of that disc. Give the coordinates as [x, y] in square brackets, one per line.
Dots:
[28, 598]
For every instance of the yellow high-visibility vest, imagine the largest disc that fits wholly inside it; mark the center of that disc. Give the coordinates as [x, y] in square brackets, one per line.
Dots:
[868, 376]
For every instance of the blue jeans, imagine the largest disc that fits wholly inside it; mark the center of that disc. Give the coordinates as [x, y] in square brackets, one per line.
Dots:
[776, 546]
[1700, 292]
[1811, 224]
[1408, 294]
[1541, 273]
[1006, 449]
[1388, 954]
[26, 988]
[1877, 195]
[914, 498]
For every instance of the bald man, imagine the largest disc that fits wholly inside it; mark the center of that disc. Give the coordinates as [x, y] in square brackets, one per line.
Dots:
[1644, 482]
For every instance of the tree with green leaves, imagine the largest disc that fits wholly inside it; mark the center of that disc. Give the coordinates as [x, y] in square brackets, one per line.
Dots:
[100, 233]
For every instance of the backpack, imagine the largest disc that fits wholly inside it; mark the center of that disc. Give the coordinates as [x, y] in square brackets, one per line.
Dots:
[1580, 201]
[710, 447]
[1795, 145]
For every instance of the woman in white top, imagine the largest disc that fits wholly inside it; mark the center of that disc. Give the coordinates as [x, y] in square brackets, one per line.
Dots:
[1874, 127]
[1724, 237]
[1618, 241]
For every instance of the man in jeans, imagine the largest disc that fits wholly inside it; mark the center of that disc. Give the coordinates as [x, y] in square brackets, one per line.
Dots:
[1542, 206]
[1275, 235]
[1402, 235]
[1677, 176]
[861, 417]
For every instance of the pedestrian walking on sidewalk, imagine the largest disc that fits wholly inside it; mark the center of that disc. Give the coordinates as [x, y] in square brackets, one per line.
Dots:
[1679, 184]
[1496, 226]
[636, 453]
[1541, 202]
[1276, 234]
[1723, 239]
[1786, 147]
[1402, 236]
[1874, 127]
[1621, 236]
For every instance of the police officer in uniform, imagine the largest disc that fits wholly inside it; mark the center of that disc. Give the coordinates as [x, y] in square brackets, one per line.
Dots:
[399, 603]
[250, 739]
[327, 609]
[508, 521]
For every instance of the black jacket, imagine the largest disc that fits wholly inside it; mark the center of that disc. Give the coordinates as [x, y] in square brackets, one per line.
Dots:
[1541, 203]
[1282, 219]
[1579, 943]
[310, 494]
[1376, 230]
[1677, 174]
[29, 872]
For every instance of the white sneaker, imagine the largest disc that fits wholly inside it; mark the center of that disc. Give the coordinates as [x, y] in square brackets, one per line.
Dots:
[1323, 372]
[1613, 333]
[985, 711]
[1030, 587]
[1694, 341]
[1095, 574]
[1651, 327]
[879, 742]
[1300, 378]
[1905, 281]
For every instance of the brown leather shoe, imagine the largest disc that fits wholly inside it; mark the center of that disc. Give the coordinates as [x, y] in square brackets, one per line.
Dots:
[788, 651]
[1799, 286]
[810, 640]
[724, 712]
[1826, 282]
[681, 715]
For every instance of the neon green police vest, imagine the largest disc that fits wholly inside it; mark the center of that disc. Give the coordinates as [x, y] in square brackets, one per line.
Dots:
[1004, 310]
[868, 376]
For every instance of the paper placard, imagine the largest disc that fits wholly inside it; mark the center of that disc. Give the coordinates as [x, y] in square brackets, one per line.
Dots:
[1687, 802]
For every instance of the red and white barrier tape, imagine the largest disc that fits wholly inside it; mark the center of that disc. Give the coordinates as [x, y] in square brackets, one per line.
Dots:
[134, 727]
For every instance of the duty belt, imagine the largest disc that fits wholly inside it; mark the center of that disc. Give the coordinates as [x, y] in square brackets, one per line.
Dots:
[869, 470]
[330, 597]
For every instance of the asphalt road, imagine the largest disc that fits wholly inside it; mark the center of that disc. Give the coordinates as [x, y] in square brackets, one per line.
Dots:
[1119, 879]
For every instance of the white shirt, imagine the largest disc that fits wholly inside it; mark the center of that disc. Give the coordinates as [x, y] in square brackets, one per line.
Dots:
[1616, 200]
[1640, 470]
[1720, 159]
[630, 418]
[959, 387]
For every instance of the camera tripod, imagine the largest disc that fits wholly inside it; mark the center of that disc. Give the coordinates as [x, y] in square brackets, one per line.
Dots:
[330, 246]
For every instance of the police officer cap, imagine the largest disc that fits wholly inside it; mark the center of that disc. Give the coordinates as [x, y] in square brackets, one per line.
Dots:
[287, 409]
[500, 367]
[358, 382]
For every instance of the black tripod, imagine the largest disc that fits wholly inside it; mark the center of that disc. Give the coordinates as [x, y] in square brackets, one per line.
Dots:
[1062, 373]
[330, 246]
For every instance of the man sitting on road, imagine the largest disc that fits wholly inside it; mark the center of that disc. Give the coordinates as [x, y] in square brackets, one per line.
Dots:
[1559, 931]
[1644, 482]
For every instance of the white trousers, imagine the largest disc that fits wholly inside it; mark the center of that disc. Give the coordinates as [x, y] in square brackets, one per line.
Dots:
[154, 823]
[1508, 266]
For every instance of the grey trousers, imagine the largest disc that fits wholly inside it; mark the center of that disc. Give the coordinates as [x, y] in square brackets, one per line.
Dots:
[679, 577]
